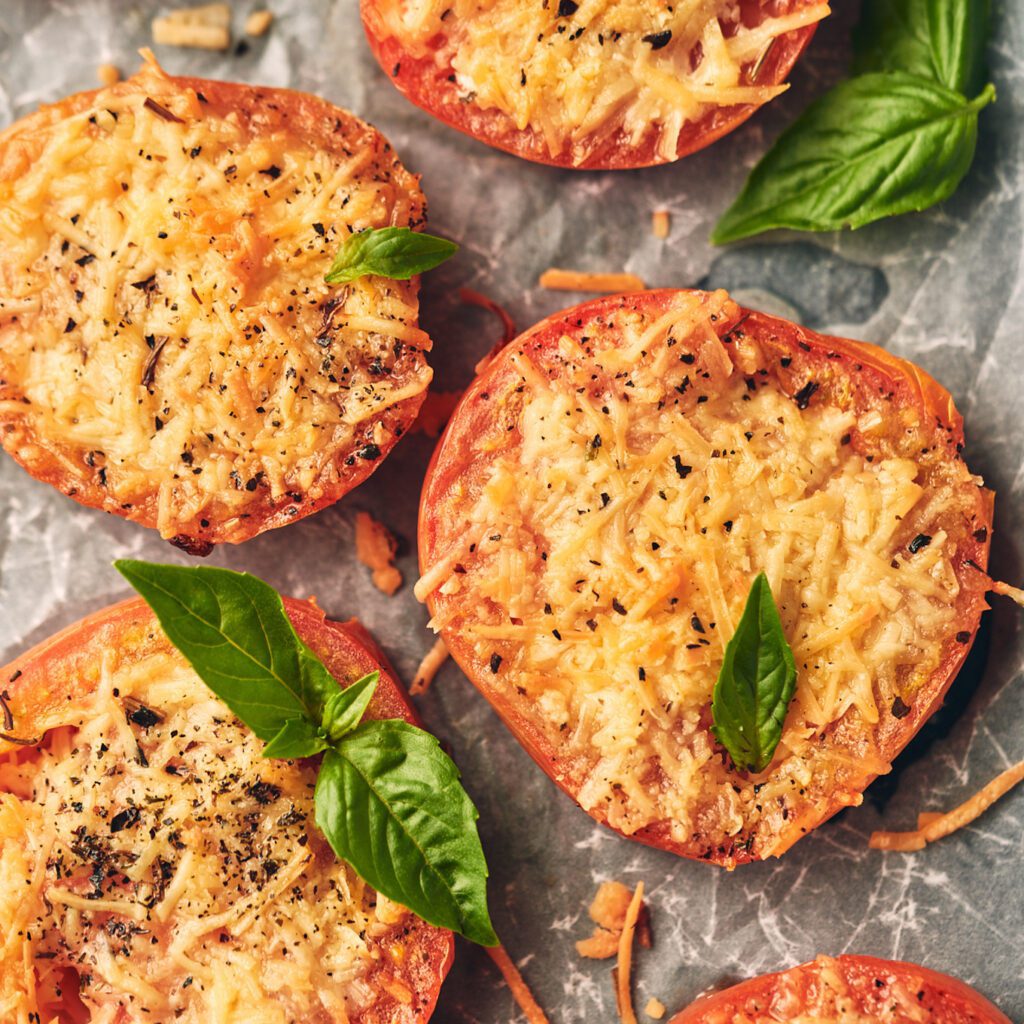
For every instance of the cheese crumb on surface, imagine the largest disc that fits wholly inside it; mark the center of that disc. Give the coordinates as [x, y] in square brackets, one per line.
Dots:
[587, 281]
[375, 548]
[258, 23]
[596, 547]
[655, 1009]
[150, 848]
[660, 223]
[206, 27]
[578, 73]
[170, 350]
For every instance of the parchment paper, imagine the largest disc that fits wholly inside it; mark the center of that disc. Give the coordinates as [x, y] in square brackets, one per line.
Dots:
[943, 288]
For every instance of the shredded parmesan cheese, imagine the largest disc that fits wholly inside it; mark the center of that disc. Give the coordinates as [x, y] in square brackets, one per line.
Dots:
[258, 23]
[206, 27]
[932, 826]
[579, 74]
[596, 549]
[624, 966]
[177, 872]
[517, 986]
[169, 347]
[655, 1009]
[375, 548]
[584, 281]
[660, 223]
[429, 667]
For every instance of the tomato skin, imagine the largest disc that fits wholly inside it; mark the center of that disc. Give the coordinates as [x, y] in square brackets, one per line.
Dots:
[41, 679]
[426, 84]
[948, 1000]
[877, 371]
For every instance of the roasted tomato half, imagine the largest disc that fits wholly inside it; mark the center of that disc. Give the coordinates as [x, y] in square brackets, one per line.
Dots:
[155, 867]
[169, 350]
[612, 85]
[602, 500]
[846, 988]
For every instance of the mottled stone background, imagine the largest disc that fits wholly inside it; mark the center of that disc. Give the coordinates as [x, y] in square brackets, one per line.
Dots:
[944, 288]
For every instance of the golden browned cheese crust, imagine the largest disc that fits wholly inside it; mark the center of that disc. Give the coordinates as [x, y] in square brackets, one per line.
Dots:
[169, 350]
[604, 497]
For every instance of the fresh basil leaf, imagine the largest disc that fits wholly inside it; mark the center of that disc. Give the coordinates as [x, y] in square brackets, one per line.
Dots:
[343, 710]
[298, 737]
[874, 146]
[756, 683]
[232, 629]
[389, 801]
[397, 253]
[942, 40]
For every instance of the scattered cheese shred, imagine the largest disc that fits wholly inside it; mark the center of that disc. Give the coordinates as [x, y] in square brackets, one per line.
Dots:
[655, 1009]
[429, 666]
[518, 987]
[584, 281]
[609, 910]
[660, 223]
[931, 826]
[206, 27]
[375, 548]
[623, 988]
[258, 23]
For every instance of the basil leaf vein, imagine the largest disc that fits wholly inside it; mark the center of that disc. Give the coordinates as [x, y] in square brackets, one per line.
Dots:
[390, 803]
[298, 737]
[877, 145]
[233, 630]
[344, 709]
[756, 683]
[395, 252]
[938, 39]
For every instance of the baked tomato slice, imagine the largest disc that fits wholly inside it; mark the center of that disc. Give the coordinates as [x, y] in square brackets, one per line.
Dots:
[834, 990]
[169, 349]
[594, 517]
[156, 867]
[591, 85]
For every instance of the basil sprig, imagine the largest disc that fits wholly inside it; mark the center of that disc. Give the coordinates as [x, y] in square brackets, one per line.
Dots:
[397, 253]
[388, 799]
[897, 138]
[756, 683]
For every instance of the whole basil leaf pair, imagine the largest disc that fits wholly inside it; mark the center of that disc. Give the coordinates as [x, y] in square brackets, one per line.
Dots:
[388, 799]
[898, 137]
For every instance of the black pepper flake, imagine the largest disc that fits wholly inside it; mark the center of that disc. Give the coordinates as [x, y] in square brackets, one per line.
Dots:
[264, 792]
[368, 452]
[195, 151]
[495, 663]
[922, 540]
[618, 606]
[69, 326]
[697, 625]
[273, 172]
[567, 8]
[899, 708]
[556, 634]
[658, 40]
[84, 261]
[981, 535]
[605, 498]
[591, 625]
[319, 228]
[963, 637]
[593, 446]
[682, 471]
[128, 818]
[144, 717]
[803, 396]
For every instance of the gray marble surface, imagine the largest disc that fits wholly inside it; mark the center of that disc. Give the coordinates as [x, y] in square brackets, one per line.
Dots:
[944, 288]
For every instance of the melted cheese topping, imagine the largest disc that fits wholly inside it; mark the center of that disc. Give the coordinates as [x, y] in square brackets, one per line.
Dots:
[166, 336]
[577, 73]
[595, 565]
[152, 850]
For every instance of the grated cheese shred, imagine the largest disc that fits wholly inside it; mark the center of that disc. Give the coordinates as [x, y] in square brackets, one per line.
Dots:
[577, 74]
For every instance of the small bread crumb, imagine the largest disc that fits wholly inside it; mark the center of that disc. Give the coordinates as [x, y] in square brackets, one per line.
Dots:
[258, 22]
[655, 1009]
[108, 75]
[207, 27]
[660, 223]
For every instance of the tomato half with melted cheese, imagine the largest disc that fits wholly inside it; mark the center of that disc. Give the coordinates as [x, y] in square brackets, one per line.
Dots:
[603, 498]
[590, 85]
[846, 990]
[154, 867]
[169, 350]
